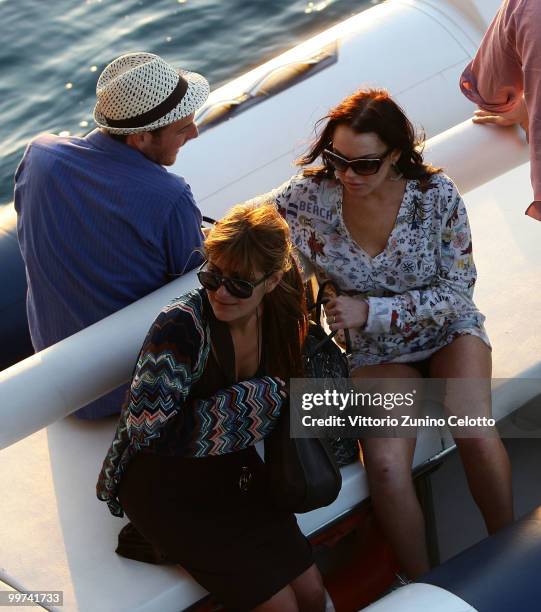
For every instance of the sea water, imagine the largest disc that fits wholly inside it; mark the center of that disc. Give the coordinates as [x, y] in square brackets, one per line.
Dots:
[53, 51]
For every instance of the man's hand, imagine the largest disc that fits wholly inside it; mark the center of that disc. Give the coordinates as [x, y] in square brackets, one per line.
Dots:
[517, 115]
[346, 312]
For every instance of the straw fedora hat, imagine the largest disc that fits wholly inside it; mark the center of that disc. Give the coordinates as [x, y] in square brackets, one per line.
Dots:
[140, 92]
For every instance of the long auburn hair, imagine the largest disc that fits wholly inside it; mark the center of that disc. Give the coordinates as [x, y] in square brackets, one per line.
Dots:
[253, 238]
[371, 110]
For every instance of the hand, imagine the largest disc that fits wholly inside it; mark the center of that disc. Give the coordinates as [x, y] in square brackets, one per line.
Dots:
[344, 312]
[517, 115]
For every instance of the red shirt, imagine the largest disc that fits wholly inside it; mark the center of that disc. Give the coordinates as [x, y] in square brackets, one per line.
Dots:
[507, 66]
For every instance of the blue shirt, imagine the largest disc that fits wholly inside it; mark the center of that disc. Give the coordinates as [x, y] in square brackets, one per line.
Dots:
[99, 227]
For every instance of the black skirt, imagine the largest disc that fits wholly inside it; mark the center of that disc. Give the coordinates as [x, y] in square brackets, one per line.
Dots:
[213, 517]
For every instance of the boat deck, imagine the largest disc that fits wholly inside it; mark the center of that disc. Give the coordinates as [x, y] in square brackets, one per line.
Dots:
[56, 535]
[458, 520]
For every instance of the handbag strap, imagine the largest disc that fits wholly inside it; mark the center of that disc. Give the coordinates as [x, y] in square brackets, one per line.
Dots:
[320, 300]
[208, 220]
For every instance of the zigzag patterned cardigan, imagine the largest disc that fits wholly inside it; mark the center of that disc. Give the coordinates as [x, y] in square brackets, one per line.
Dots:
[159, 414]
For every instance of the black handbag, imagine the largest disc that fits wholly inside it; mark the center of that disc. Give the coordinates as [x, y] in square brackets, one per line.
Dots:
[324, 359]
[302, 472]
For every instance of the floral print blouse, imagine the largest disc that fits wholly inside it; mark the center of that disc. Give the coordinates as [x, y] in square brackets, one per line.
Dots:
[419, 288]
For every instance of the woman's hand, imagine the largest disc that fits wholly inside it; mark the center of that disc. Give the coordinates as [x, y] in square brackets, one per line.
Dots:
[518, 114]
[344, 312]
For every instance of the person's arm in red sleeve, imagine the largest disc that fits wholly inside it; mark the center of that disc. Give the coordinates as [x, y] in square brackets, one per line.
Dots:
[504, 79]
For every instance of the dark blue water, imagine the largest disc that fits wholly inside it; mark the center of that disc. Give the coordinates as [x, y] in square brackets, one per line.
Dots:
[53, 51]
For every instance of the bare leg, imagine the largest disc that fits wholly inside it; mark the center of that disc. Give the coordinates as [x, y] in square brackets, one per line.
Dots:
[388, 464]
[309, 590]
[283, 601]
[485, 460]
[304, 594]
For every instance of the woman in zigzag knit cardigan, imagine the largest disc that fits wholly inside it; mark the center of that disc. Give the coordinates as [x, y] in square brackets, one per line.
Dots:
[207, 386]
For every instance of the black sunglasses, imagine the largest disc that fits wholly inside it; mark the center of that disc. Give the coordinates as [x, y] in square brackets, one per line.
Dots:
[364, 166]
[212, 281]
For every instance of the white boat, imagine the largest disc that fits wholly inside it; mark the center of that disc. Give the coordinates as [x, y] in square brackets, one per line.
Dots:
[54, 533]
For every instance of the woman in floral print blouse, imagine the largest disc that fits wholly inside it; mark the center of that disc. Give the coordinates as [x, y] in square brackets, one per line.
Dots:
[392, 232]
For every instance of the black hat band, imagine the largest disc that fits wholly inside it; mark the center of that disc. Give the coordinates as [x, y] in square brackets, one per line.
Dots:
[155, 113]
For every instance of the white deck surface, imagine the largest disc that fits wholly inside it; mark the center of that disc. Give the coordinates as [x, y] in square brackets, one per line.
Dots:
[418, 596]
[55, 535]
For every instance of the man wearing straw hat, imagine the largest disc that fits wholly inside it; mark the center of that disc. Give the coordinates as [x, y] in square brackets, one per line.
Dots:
[101, 222]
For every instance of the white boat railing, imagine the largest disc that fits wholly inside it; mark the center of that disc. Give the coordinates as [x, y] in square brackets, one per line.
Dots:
[53, 383]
